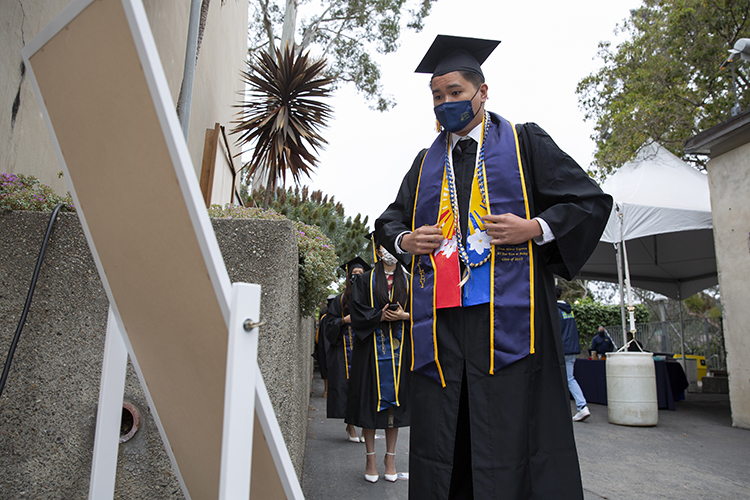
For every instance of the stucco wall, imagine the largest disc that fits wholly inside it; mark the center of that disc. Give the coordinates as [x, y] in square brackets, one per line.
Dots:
[25, 145]
[48, 408]
[729, 181]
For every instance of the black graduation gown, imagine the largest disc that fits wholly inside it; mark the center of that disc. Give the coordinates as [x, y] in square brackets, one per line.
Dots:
[519, 435]
[362, 409]
[321, 347]
[336, 332]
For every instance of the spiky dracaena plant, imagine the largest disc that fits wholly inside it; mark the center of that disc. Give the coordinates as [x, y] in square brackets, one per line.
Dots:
[282, 115]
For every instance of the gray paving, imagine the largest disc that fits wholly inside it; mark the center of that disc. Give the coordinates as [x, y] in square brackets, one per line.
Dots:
[692, 454]
[334, 467]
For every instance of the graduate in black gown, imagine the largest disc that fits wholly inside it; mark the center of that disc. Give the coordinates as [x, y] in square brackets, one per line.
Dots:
[321, 346]
[482, 224]
[338, 331]
[379, 382]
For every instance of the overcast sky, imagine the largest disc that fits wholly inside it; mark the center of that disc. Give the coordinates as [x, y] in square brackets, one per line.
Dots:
[547, 48]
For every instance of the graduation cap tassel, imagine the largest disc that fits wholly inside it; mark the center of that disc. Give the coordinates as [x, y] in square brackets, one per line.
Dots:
[438, 125]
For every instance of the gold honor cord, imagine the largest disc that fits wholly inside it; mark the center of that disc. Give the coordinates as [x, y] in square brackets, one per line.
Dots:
[374, 337]
[450, 176]
[393, 361]
[349, 329]
[346, 357]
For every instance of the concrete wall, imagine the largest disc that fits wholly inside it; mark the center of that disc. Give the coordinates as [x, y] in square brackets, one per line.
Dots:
[48, 407]
[25, 145]
[729, 181]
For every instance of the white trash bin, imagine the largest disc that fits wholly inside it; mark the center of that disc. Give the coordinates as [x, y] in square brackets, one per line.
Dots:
[631, 389]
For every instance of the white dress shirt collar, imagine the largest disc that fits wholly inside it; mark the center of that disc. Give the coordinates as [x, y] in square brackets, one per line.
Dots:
[475, 133]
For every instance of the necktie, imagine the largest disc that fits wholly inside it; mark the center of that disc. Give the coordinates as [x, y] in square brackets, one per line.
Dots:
[464, 157]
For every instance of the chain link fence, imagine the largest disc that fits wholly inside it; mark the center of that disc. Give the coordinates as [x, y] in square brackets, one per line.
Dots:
[703, 337]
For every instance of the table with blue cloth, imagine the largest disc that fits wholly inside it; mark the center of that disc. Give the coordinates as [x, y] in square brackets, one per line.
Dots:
[671, 381]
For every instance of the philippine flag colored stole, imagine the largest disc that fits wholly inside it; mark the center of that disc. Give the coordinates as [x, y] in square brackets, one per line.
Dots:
[388, 348]
[505, 280]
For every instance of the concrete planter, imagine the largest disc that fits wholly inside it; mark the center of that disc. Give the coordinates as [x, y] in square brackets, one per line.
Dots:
[48, 408]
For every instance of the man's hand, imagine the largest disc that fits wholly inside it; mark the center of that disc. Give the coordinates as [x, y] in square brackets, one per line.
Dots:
[422, 241]
[510, 229]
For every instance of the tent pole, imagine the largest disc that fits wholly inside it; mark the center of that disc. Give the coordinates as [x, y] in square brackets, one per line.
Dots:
[622, 289]
[682, 331]
[623, 264]
[631, 308]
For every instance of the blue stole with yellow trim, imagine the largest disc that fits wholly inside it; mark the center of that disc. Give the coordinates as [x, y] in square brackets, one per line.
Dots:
[506, 280]
[387, 343]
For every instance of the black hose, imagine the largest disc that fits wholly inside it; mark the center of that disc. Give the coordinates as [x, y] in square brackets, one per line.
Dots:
[26, 307]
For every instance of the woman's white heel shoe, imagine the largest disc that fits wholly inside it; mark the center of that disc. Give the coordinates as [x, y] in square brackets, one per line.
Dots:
[390, 477]
[372, 478]
[349, 437]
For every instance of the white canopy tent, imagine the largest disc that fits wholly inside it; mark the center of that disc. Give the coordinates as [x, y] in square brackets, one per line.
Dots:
[663, 212]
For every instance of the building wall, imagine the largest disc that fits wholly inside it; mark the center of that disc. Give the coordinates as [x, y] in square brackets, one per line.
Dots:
[48, 408]
[729, 181]
[25, 145]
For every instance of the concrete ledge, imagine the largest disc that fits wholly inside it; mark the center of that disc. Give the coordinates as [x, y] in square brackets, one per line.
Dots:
[715, 385]
[48, 408]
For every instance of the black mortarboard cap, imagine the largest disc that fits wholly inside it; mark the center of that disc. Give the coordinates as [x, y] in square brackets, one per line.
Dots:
[456, 53]
[356, 261]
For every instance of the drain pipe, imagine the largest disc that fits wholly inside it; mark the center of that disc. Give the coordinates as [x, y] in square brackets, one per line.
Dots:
[188, 74]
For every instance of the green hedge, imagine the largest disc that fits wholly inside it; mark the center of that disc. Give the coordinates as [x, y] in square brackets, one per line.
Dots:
[317, 257]
[590, 315]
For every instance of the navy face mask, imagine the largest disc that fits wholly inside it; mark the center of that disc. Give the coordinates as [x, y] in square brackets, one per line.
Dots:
[455, 116]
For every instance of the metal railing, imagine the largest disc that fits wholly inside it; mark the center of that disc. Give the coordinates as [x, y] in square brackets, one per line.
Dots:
[703, 337]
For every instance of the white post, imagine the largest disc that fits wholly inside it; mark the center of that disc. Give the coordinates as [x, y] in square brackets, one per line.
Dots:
[109, 414]
[622, 288]
[239, 394]
[623, 261]
[279, 452]
[631, 308]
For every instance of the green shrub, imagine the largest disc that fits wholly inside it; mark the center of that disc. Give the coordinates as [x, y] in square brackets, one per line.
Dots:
[25, 192]
[590, 315]
[317, 257]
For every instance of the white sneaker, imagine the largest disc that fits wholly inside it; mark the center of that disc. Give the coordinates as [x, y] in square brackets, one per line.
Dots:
[582, 414]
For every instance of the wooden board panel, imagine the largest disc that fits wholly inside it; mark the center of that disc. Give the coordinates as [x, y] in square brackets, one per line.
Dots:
[129, 174]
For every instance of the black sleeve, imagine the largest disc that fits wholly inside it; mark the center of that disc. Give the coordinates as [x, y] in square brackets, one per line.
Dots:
[333, 322]
[566, 198]
[365, 319]
[397, 218]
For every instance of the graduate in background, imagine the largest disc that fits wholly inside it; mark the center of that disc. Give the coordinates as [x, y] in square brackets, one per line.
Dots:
[482, 220]
[338, 331]
[379, 383]
[321, 347]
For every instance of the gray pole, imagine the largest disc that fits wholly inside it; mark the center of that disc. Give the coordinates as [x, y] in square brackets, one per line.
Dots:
[682, 332]
[188, 73]
[622, 289]
[621, 264]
